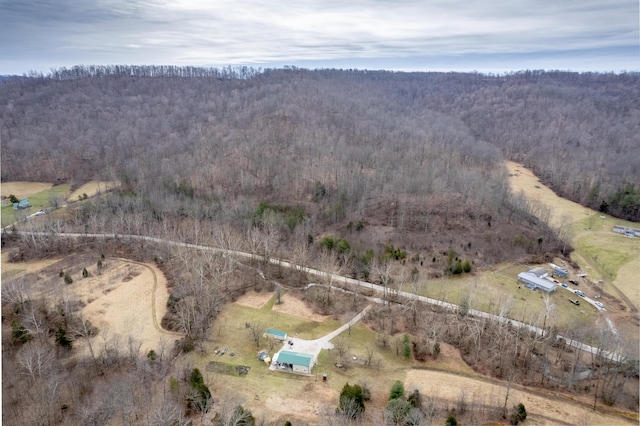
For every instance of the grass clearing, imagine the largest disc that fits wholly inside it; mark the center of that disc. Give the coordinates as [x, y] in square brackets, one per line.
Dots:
[523, 179]
[489, 291]
[92, 188]
[40, 200]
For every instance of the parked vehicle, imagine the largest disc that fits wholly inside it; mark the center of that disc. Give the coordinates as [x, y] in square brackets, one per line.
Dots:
[599, 305]
[564, 285]
[579, 293]
[574, 282]
[574, 301]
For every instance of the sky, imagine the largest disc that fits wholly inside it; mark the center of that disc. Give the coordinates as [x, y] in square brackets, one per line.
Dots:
[488, 36]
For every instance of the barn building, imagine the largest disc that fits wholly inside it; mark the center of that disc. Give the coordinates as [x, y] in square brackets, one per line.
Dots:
[533, 281]
[276, 334]
[293, 361]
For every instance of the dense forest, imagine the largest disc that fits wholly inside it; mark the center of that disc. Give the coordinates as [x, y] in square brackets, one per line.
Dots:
[359, 133]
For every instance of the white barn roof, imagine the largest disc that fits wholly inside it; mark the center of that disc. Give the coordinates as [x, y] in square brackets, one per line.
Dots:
[529, 278]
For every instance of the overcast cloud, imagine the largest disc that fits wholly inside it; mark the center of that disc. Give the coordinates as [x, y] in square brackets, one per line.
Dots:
[486, 35]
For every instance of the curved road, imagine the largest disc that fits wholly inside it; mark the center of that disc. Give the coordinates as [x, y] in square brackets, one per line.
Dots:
[337, 279]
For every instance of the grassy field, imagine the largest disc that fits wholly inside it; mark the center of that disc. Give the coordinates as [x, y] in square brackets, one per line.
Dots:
[490, 290]
[39, 200]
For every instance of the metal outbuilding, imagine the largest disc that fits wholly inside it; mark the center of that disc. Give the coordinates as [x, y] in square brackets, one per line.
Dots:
[294, 361]
[276, 334]
[532, 281]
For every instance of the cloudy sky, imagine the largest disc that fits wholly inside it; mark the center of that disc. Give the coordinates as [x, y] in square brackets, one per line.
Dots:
[482, 35]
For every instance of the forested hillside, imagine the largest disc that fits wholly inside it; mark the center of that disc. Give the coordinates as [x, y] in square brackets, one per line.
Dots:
[395, 178]
[414, 159]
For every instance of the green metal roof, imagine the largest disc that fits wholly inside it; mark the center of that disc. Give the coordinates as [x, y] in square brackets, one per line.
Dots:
[296, 358]
[276, 332]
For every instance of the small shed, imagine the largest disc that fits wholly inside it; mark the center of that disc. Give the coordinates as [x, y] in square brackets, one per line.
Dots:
[294, 361]
[276, 334]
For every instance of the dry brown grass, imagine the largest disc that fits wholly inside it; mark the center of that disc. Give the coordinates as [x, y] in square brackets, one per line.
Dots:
[542, 409]
[91, 189]
[22, 189]
[119, 300]
[523, 179]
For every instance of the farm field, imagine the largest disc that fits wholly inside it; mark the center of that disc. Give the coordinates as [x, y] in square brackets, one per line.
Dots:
[610, 260]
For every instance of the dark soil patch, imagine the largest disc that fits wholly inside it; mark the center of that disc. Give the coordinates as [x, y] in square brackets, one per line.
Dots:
[228, 369]
[130, 276]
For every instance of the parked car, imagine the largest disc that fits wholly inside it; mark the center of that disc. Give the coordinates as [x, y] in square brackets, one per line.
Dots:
[599, 305]
[564, 285]
[574, 282]
[579, 293]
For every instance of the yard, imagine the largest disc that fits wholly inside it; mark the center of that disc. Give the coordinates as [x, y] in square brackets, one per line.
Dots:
[278, 397]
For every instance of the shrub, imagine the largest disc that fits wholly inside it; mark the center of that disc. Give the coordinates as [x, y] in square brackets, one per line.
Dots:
[397, 390]
[151, 355]
[351, 401]
[407, 347]
[390, 252]
[343, 246]
[62, 339]
[451, 421]
[200, 398]
[19, 334]
[436, 350]
[457, 268]
[67, 278]
[328, 243]
[467, 266]
[85, 273]
[518, 414]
